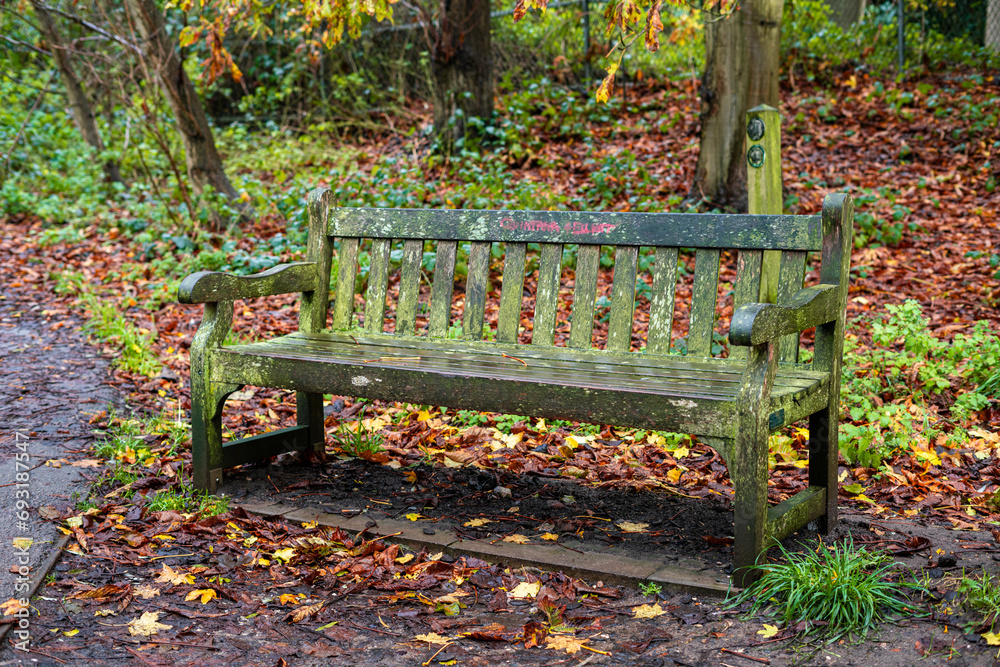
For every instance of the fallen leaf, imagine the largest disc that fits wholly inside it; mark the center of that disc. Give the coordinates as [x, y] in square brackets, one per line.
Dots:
[170, 576]
[992, 638]
[564, 643]
[649, 611]
[433, 638]
[146, 592]
[549, 536]
[87, 463]
[517, 539]
[11, 607]
[768, 631]
[630, 527]
[476, 523]
[206, 594]
[303, 613]
[413, 516]
[146, 625]
[525, 589]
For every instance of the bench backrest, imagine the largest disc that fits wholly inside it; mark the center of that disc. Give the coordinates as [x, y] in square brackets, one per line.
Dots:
[663, 236]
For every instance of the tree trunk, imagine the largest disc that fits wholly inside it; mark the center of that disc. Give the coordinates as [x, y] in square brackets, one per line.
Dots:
[741, 71]
[83, 112]
[461, 67]
[204, 166]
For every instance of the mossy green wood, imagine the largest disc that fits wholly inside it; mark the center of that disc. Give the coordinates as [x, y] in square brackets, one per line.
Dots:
[661, 301]
[764, 189]
[581, 330]
[211, 286]
[547, 294]
[685, 230]
[747, 287]
[347, 270]
[441, 288]
[704, 296]
[313, 312]
[622, 309]
[378, 285]
[409, 287]
[791, 277]
[476, 286]
[511, 291]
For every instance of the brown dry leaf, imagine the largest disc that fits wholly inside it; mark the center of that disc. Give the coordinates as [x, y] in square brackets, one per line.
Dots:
[146, 625]
[303, 613]
[106, 591]
[146, 592]
[476, 523]
[534, 634]
[433, 638]
[649, 611]
[631, 527]
[170, 576]
[87, 463]
[11, 607]
[290, 599]
[564, 643]
[517, 539]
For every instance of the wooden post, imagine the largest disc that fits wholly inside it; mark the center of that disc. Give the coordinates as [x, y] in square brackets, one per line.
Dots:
[764, 185]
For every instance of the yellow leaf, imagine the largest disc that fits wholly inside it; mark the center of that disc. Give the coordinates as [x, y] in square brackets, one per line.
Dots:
[11, 607]
[549, 536]
[71, 633]
[476, 523]
[525, 589]
[674, 474]
[423, 416]
[768, 631]
[564, 643]
[403, 560]
[992, 638]
[649, 611]
[432, 638]
[517, 539]
[146, 625]
[289, 599]
[285, 554]
[631, 527]
[205, 594]
[411, 477]
[413, 516]
[105, 612]
[681, 452]
[169, 576]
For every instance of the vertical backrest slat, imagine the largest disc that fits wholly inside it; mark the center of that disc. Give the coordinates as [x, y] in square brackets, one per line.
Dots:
[747, 289]
[547, 295]
[581, 331]
[623, 299]
[378, 284]
[511, 290]
[790, 279]
[476, 286]
[347, 271]
[444, 281]
[704, 296]
[409, 287]
[661, 301]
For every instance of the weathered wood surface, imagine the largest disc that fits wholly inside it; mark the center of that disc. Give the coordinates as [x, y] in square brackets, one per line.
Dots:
[685, 230]
[581, 330]
[547, 295]
[757, 323]
[213, 286]
[442, 287]
[511, 291]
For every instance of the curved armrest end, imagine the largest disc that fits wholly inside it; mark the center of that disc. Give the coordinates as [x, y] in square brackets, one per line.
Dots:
[758, 323]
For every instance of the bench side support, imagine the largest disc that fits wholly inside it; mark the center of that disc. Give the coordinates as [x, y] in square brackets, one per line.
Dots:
[749, 471]
[838, 226]
[313, 312]
[207, 396]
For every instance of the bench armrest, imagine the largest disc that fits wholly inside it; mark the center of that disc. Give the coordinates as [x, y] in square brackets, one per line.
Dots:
[214, 286]
[757, 323]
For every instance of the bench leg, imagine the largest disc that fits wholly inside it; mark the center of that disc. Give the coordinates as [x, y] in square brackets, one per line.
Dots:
[749, 472]
[823, 449]
[206, 431]
[309, 412]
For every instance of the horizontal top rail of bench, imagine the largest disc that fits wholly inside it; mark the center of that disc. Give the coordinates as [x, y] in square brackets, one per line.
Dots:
[684, 230]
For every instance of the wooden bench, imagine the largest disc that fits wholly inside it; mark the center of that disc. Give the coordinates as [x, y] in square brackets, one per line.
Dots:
[731, 403]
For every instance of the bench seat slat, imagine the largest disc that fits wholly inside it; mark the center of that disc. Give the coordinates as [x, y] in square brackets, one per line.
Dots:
[634, 364]
[511, 291]
[685, 230]
[581, 332]
[441, 288]
[547, 295]
[409, 287]
[704, 296]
